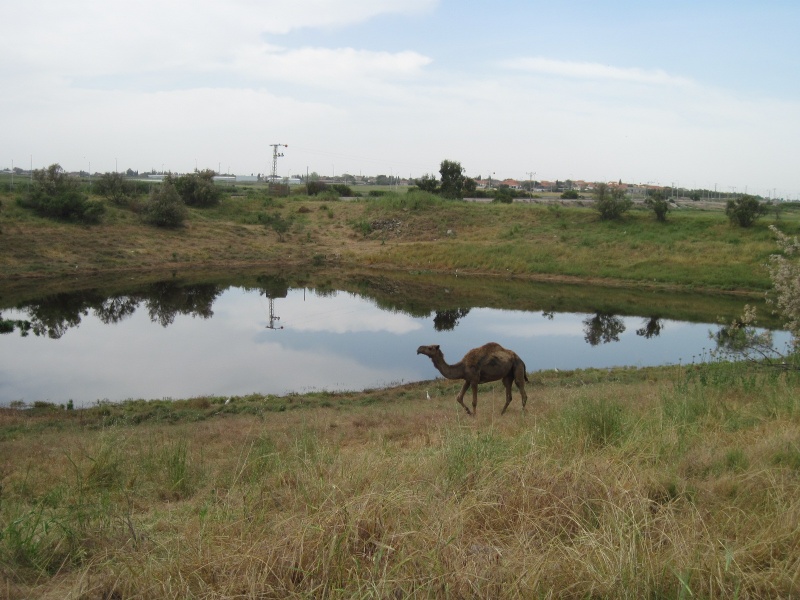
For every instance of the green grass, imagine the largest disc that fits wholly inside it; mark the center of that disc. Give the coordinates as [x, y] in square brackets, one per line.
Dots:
[693, 249]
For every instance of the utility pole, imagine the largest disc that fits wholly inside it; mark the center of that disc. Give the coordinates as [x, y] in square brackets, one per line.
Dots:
[273, 178]
[531, 175]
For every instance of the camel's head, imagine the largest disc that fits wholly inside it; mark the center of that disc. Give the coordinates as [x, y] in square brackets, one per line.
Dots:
[429, 350]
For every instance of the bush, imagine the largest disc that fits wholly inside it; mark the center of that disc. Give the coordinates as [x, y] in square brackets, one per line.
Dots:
[116, 189]
[315, 187]
[611, 202]
[658, 204]
[427, 183]
[569, 195]
[56, 195]
[276, 222]
[342, 189]
[504, 195]
[165, 208]
[745, 211]
[198, 189]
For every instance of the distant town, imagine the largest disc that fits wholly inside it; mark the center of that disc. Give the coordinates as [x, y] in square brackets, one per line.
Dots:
[482, 183]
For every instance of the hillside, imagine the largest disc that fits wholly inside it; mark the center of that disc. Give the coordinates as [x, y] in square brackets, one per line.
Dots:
[695, 248]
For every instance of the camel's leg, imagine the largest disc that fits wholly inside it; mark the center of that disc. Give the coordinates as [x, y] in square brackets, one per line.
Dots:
[521, 386]
[460, 397]
[474, 399]
[507, 382]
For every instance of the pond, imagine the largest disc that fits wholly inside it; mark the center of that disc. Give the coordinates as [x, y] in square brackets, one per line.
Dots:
[276, 334]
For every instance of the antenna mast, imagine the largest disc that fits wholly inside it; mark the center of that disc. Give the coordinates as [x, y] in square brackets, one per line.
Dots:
[275, 156]
[272, 316]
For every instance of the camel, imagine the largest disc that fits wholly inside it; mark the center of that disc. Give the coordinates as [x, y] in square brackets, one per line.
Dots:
[490, 362]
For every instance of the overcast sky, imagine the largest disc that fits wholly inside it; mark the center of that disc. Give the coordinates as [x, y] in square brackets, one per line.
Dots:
[698, 93]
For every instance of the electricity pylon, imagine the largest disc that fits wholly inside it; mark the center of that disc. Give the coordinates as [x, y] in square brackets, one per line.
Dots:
[275, 156]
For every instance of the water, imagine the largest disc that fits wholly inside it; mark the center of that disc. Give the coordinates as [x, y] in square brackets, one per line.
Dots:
[168, 344]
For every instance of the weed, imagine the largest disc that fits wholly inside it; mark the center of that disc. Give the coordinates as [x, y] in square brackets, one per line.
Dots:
[362, 227]
[599, 423]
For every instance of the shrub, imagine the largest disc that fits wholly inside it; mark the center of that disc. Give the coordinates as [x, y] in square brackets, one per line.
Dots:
[428, 183]
[611, 202]
[115, 188]
[504, 195]
[745, 211]
[276, 222]
[342, 189]
[362, 226]
[198, 189]
[784, 270]
[658, 204]
[315, 187]
[56, 195]
[569, 195]
[165, 208]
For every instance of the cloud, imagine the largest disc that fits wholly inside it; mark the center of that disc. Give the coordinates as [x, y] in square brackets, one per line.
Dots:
[82, 39]
[343, 313]
[592, 71]
[327, 66]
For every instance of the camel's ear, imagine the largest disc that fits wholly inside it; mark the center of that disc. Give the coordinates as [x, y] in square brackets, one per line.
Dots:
[435, 346]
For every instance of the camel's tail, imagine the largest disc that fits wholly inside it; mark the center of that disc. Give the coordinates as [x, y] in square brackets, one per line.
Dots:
[524, 370]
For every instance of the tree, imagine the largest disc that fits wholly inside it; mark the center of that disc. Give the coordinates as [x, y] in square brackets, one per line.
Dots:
[743, 339]
[198, 189]
[428, 183]
[452, 180]
[611, 202]
[602, 328]
[503, 194]
[784, 271]
[658, 204]
[745, 210]
[446, 320]
[56, 195]
[470, 185]
[165, 208]
[115, 188]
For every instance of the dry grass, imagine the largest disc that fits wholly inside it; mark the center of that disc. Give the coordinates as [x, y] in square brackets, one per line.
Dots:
[658, 483]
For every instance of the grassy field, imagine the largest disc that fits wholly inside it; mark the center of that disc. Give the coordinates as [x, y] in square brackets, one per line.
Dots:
[696, 248]
[676, 482]
[652, 483]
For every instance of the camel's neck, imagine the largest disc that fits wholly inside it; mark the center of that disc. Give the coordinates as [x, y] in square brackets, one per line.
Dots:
[455, 371]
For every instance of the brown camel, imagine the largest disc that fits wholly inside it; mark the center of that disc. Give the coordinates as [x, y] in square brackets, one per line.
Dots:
[490, 362]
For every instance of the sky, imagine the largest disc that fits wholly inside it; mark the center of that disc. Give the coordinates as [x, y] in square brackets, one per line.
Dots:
[697, 94]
